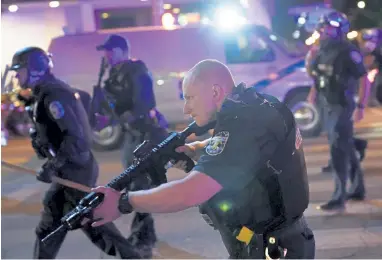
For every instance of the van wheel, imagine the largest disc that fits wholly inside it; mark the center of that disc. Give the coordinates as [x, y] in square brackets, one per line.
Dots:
[308, 117]
[109, 138]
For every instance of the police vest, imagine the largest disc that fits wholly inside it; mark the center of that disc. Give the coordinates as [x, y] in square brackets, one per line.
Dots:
[277, 195]
[120, 89]
[131, 87]
[330, 81]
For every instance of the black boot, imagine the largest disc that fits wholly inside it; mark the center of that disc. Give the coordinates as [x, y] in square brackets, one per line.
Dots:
[360, 146]
[328, 168]
[332, 206]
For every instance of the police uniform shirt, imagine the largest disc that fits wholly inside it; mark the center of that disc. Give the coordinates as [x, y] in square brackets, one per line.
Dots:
[247, 132]
[354, 63]
[350, 60]
[342, 63]
[62, 120]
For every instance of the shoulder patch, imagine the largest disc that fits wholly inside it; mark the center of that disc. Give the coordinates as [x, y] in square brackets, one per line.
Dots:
[356, 57]
[217, 143]
[56, 109]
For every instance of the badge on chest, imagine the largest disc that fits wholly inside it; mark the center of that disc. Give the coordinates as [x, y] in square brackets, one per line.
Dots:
[217, 143]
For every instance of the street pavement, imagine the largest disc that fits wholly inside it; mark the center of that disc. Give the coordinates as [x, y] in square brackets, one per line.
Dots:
[357, 233]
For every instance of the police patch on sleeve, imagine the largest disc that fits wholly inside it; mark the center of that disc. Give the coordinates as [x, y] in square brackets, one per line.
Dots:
[217, 143]
[356, 57]
[56, 110]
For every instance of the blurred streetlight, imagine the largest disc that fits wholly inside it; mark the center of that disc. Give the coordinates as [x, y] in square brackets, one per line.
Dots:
[168, 21]
[227, 18]
[54, 4]
[13, 8]
[352, 35]
[167, 6]
[301, 20]
[361, 4]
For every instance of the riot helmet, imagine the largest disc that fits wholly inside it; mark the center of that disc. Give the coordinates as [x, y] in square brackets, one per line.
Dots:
[31, 65]
[370, 39]
[333, 25]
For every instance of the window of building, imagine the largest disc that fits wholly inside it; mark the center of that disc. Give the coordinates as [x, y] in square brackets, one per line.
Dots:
[122, 17]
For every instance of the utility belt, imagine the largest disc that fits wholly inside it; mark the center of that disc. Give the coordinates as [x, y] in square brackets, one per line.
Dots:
[245, 234]
[332, 89]
[246, 242]
[250, 236]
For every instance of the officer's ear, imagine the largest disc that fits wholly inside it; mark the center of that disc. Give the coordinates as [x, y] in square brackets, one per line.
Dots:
[217, 91]
[118, 52]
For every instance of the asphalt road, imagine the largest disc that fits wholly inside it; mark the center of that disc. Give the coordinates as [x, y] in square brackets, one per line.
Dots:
[354, 234]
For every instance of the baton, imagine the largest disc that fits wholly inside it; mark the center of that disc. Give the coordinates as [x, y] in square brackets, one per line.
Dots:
[55, 179]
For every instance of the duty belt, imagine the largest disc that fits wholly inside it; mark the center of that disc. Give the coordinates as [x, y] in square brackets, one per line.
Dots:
[246, 235]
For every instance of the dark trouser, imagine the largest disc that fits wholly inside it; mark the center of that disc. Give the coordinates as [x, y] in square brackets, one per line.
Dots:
[359, 144]
[343, 154]
[142, 227]
[297, 238]
[60, 200]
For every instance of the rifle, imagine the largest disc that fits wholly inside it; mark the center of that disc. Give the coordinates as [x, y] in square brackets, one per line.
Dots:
[152, 159]
[99, 102]
[102, 71]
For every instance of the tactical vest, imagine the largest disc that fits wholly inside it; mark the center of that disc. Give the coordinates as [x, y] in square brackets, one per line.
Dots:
[131, 87]
[276, 196]
[119, 87]
[330, 81]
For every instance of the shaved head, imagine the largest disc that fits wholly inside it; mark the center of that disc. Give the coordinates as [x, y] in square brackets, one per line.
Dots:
[209, 73]
[205, 88]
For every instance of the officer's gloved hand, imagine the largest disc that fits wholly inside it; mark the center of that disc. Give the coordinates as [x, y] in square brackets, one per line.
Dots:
[36, 145]
[46, 172]
[27, 100]
[38, 149]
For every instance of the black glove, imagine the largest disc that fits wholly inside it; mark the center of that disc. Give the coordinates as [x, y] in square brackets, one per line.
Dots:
[38, 149]
[36, 145]
[46, 172]
[27, 100]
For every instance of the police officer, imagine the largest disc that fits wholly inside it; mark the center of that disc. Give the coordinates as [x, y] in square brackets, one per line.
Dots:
[62, 135]
[371, 45]
[250, 182]
[338, 66]
[130, 86]
[319, 99]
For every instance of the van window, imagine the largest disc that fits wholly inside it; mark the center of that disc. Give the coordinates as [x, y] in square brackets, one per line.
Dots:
[247, 47]
[289, 48]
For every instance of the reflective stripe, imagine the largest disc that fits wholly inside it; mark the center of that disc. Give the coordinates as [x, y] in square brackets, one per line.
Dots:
[260, 85]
